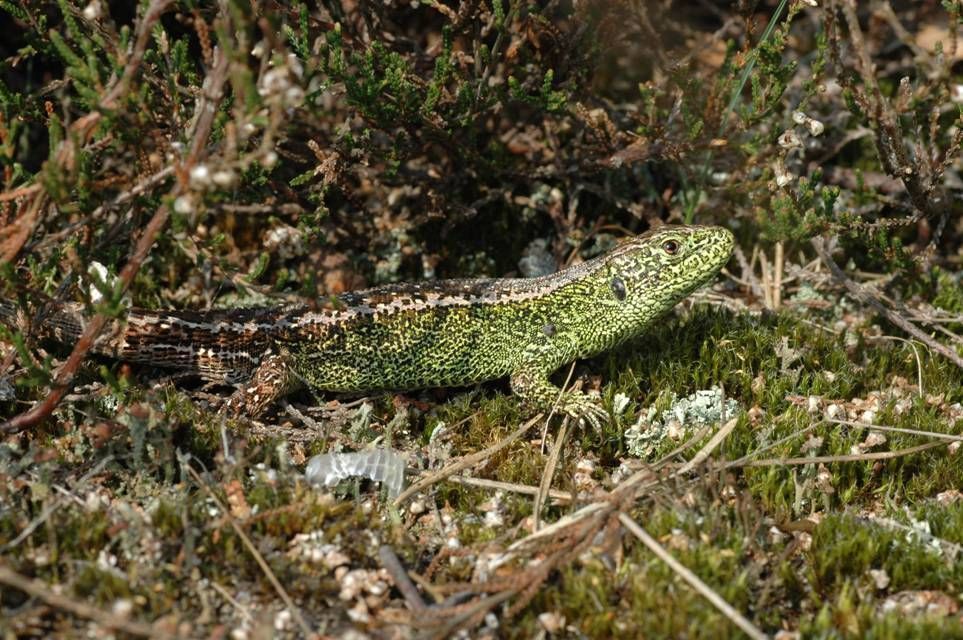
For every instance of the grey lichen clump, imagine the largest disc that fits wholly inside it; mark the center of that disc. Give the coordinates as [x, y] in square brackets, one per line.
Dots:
[706, 406]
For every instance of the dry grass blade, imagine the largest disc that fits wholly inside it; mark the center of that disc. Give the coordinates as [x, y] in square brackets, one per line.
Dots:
[691, 579]
[41, 591]
[949, 437]
[711, 446]
[563, 497]
[590, 510]
[858, 457]
[916, 354]
[550, 466]
[240, 608]
[465, 462]
[261, 562]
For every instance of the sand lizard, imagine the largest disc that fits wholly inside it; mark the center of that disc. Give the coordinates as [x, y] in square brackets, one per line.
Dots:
[431, 334]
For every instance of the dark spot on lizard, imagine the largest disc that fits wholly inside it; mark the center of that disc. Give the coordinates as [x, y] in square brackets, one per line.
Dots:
[618, 288]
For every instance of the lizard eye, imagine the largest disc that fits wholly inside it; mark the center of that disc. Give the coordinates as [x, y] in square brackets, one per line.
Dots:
[618, 288]
[671, 247]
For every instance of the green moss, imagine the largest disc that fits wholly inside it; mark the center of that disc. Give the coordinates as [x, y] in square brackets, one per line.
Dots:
[844, 549]
[101, 586]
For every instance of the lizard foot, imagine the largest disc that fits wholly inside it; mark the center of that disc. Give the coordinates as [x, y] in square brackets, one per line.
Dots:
[272, 380]
[583, 408]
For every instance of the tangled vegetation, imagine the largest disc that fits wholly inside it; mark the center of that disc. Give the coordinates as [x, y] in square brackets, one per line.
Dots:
[790, 437]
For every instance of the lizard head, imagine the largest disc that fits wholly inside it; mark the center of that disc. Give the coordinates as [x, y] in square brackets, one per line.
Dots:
[650, 273]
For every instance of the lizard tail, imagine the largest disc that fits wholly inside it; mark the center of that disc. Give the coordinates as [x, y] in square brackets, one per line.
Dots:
[224, 346]
[58, 321]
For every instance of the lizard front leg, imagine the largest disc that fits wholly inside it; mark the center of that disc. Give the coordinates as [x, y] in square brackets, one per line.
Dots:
[273, 379]
[531, 384]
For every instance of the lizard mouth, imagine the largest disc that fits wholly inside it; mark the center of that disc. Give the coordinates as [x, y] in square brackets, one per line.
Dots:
[714, 247]
[711, 250]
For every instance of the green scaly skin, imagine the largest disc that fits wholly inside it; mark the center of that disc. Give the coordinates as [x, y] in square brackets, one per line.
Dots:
[433, 334]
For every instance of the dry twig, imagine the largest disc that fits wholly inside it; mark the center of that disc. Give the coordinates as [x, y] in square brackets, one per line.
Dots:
[864, 296]
[391, 563]
[261, 562]
[40, 590]
[465, 462]
[65, 374]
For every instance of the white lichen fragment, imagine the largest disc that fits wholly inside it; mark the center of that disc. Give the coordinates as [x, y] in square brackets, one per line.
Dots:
[678, 421]
[285, 242]
[619, 404]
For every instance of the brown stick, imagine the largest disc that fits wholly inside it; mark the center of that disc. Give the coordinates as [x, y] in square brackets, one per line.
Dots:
[65, 374]
[42, 591]
[391, 563]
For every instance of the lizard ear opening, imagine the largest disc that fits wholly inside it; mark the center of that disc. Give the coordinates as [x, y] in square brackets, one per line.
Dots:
[618, 288]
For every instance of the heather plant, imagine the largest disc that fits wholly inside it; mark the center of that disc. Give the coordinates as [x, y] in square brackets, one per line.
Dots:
[200, 155]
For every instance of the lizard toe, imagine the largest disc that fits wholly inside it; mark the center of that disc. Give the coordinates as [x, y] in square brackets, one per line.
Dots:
[585, 409]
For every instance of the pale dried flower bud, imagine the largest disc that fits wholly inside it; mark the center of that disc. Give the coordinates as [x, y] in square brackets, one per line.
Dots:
[93, 10]
[200, 176]
[789, 140]
[184, 205]
[274, 81]
[783, 177]
[223, 178]
[294, 97]
[294, 64]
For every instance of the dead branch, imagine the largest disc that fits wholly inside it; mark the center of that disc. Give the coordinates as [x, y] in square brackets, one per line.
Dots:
[863, 295]
[64, 376]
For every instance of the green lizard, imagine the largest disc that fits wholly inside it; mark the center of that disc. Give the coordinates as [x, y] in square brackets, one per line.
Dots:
[431, 334]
